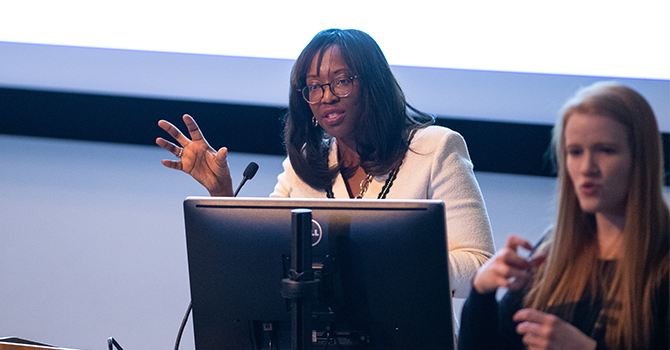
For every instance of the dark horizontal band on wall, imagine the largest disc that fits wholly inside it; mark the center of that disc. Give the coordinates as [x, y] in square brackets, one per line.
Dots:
[494, 146]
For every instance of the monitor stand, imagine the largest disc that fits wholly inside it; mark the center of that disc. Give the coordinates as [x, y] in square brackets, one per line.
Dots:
[301, 287]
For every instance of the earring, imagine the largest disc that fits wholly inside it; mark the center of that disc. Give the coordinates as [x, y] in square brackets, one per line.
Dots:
[315, 122]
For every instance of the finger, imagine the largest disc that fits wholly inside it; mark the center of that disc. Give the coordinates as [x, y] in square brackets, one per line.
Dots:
[513, 242]
[496, 274]
[527, 328]
[530, 315]
[512, 259]
[193, 128]
[533, 341]
[174, 132]
[517, 282]
[538, 260]
[222, 157]
[490, 276]
[168, 146]
[504, 269]
[518, 278]
[173, 164]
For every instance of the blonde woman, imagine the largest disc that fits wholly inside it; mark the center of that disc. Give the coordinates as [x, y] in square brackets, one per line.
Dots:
[600, 279]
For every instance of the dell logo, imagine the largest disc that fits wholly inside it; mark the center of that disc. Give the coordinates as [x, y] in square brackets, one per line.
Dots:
[317, 233]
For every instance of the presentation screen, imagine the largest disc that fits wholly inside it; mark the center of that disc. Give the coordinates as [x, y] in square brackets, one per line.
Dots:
[449, 56]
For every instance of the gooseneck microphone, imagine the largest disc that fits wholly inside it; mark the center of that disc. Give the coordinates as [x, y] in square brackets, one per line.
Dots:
[111, 344]
[248, 174]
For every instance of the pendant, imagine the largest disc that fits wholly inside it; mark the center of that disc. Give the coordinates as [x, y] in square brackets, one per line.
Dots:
[364, 186]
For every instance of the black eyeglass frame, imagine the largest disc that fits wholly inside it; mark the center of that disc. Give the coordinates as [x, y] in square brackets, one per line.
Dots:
[323, 91]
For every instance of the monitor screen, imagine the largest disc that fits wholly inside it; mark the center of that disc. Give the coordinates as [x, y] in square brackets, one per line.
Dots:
[382, 266]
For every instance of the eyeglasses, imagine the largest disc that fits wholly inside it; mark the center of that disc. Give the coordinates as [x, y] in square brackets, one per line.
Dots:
[341, 87]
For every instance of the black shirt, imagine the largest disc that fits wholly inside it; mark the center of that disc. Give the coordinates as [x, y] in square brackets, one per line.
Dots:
[488, 324]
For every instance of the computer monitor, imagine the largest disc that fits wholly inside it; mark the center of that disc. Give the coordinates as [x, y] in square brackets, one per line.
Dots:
[383, 267]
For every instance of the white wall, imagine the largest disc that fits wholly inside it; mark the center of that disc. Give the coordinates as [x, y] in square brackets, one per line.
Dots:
[92, 238]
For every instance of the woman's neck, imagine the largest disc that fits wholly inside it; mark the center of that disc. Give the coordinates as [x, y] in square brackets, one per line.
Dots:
[349, 158]
[610, 235]
[347, 154]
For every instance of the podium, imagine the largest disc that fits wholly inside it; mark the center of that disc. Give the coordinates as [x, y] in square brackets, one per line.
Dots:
[14, 343]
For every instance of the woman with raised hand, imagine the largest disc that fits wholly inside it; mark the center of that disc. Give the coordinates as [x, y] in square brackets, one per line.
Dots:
[350, 133]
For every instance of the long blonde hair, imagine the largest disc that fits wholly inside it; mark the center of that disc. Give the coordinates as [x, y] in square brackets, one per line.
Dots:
[573, 251]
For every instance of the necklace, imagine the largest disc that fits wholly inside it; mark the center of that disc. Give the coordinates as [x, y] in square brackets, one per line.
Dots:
[364, 186]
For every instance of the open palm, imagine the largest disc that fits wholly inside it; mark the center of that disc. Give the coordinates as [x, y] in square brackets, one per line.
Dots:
[197, 157]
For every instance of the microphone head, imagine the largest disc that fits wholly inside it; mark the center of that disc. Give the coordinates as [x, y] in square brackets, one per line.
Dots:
[250, 171]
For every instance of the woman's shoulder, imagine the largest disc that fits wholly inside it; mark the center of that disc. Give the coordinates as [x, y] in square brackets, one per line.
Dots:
[434, 134]
[439, 139]
[435, 131]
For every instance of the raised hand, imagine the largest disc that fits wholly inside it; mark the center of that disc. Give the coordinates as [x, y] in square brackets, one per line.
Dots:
[542, 331]
[507, 268]
[197, 157]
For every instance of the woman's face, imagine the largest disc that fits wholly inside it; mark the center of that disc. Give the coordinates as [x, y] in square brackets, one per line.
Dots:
[599, 162]
[336, 115]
